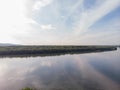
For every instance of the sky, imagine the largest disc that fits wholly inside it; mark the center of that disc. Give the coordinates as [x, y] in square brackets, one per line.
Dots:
[60, 22]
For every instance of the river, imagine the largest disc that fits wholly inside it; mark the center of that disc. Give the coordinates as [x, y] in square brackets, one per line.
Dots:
[91, 71]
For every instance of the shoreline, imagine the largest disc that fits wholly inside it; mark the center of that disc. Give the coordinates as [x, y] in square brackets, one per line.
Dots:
[27, 51]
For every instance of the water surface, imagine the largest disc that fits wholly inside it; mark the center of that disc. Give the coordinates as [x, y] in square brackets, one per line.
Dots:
[92, 71]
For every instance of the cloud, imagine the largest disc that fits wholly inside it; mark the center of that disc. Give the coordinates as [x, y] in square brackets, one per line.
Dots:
[103, 38]
[47, 27]
[73, 9]
[13, 20]
[54, 21]
[16, 19]
[41, 3]
[105, 34]
[91, 16]
[85, 19]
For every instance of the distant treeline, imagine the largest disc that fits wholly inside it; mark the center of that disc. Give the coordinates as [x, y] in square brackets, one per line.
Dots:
[42, 50]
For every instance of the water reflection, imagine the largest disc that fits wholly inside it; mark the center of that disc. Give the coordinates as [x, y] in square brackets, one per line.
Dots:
[96, 71]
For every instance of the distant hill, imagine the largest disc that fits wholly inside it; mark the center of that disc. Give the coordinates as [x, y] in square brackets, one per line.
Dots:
[7, 44]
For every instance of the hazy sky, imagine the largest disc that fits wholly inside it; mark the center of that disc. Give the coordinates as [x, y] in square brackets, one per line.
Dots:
[75, 22]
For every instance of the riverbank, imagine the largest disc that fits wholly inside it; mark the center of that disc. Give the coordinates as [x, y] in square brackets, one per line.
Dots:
[50, 50]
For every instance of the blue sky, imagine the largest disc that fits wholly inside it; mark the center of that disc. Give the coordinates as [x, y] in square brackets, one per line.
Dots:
[60, 22]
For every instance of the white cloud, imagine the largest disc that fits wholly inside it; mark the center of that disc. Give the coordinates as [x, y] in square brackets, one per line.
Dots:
[103, 38]
[89, 17]
[74, 8]
[47, 27]
[41, 3]
[106, 34]
[13, 19]
[17, 22]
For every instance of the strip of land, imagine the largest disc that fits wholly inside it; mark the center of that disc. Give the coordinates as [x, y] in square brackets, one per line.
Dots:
[50, 50]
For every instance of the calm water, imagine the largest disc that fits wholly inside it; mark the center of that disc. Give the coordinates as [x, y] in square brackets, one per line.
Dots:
[93, 71]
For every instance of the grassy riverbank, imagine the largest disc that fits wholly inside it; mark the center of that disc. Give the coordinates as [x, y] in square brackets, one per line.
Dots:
[48, 50]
